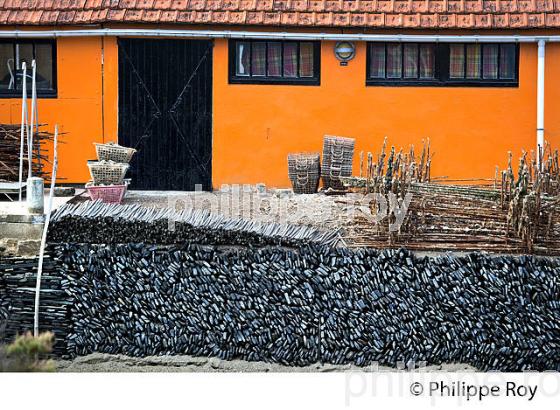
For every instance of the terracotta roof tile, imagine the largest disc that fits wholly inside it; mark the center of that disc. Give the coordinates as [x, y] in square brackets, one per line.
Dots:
[272, 18]
[465, 20]
[341, 19]
[411, 20]
[375, 20]
[483, 21]
[358, 19]
[289, 19]
[280, 5]
[169, 16]
[419, 7]
[204, 16]
[255, 17]
[351, 5]
[237, 17]
[324, 19]
[93, 4]
[428, 20]
[518, 20]
[316, 5]
[335, 5]
[306, 19]
[393, 20]
[213, 4]
[185, 16]
[83, 16]
[553, 19]
[35, 16]
[162, 4]
[147, 5]
[66, 17]
[127, 4]
[220, 17]
[134, 15]
[4, 14]
[246, 5]
[264, 5]
[152, 15]
[49, 17]
[467, 14]
[501, 20]
[99, 15]
[230, 5]
[116, 14]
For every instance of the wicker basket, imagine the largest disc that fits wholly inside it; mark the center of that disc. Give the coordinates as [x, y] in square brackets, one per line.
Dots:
[114, 152]
[304, 172]
[111, 194]
[107, 172]
[338, 154]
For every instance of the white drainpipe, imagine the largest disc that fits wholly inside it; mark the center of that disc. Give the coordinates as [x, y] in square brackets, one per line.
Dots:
[540, 97]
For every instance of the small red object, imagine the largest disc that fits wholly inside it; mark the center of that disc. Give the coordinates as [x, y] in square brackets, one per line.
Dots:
[112, 194]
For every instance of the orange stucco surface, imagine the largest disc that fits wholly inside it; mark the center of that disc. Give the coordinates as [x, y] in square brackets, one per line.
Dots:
[256, 126]
[470, 129]
[78, 108]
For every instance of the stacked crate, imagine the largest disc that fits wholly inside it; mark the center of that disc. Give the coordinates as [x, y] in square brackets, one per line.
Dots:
[304, 171]
[108, 172]
[338, 153]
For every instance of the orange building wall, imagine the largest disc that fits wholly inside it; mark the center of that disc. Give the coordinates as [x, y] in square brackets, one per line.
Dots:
[470, 129]
[256, 126]
[79, 109]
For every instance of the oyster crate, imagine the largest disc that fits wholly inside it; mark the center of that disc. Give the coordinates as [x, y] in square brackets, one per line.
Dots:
[304, 171]
[114, 152]
[111, 194]
[107, 172]
[338, 156]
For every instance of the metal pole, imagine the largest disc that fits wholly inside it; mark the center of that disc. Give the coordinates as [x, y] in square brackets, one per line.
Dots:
[32, 119]
[540, 98]
[23, 122]
[44, 236]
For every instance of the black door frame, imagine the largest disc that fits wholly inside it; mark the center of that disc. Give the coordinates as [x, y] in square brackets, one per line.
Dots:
[167, 117]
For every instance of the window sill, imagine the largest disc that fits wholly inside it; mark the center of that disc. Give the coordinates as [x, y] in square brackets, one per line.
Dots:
[275, 81]
[17, 94]
[416, 83]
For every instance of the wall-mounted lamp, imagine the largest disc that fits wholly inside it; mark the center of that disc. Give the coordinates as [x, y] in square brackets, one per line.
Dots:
[344, 51]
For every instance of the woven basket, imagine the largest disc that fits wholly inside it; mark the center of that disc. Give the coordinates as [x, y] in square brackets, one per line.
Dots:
[114, 152]
[304, 172]
[338, 155]
[107, 172]
[111, 194]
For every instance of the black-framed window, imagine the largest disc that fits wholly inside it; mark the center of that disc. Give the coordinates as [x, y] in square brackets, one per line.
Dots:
[274, 62]
[12, 56]
[442, 64]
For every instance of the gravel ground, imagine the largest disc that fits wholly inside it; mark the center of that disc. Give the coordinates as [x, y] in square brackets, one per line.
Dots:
[324, 211]
[99, 362]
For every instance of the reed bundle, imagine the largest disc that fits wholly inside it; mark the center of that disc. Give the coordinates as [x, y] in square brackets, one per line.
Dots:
[10, 152]
[518, 215]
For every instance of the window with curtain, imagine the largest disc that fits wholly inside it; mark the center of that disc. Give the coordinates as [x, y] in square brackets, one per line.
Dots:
[442, 64]
[12, 56]
[401, 61]
[274, 62]
[483, 62]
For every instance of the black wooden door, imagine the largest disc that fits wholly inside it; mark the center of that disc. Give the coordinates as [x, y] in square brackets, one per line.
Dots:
[165, 112]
